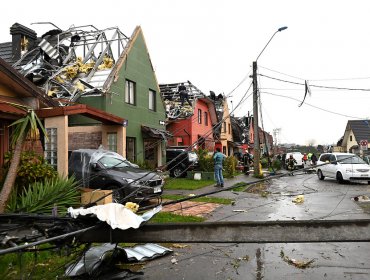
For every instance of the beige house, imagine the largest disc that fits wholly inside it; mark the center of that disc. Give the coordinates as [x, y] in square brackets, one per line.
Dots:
[356, 137]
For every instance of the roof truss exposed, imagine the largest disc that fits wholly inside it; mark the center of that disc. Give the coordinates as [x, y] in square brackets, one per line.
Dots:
[68, 64]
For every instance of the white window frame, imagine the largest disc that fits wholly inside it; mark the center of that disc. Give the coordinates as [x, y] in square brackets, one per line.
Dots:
[130, 92]
[152, 100]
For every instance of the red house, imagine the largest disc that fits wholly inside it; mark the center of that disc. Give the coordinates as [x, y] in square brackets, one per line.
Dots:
[189, 125]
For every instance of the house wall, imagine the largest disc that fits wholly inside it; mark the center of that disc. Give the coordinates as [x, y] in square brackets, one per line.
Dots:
[136, 67]
[181, 130]
[226, 137]
[349, 142]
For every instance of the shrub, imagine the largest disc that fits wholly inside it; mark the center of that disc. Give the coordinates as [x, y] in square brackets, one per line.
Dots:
[32, 168]
[205, 160]
[264, 162]
[276, 164]
[230, 166]
[44, 197]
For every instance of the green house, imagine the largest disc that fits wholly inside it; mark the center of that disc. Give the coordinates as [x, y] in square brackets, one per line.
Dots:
[131, 91]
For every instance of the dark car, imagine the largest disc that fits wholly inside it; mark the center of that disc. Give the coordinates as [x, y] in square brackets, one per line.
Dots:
[180, 160]
[107, 170]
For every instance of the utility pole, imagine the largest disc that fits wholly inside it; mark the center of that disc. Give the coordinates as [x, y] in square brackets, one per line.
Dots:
[256, 160]
[256, 153]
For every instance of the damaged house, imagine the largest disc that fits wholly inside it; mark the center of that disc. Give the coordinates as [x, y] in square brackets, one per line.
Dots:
[100, 72]
[191, 116]
[223, 132]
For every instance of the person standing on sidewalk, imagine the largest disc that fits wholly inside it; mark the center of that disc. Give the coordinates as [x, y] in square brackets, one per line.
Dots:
[218, 159]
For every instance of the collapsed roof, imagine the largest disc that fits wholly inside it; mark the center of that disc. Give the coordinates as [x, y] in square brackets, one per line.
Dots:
[68, 64]
[172, 99]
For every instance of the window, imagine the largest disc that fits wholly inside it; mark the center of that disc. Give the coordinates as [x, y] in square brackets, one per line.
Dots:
[131, 148]
[51, 154]
[130, 92]
[152, 100]
[224, 127]
[350, 138]
[224, 150]
[112, 141]
[199, 116]
[229, 127]
[205, 118]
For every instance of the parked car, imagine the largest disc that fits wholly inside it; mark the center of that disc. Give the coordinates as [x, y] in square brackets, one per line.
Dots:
[180, 160]
[298, 157]
[343, 167]
[107, 170]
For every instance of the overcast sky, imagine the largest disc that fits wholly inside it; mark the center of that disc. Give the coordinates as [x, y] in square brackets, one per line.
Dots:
[212, 43]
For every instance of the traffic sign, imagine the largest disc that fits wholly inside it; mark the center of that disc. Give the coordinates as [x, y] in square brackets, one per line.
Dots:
[363, 144]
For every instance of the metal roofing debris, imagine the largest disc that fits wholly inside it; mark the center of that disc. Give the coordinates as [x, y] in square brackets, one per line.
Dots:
[145, 252]
[90, 262]
[75, 62]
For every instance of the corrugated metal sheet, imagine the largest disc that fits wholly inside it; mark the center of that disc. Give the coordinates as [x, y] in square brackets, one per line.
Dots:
[145, 252]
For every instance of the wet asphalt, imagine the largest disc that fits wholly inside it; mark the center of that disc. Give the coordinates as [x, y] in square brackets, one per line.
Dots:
[272, 200]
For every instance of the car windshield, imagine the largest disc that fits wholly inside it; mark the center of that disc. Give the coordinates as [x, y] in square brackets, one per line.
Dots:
[110, 162]
[347, 159]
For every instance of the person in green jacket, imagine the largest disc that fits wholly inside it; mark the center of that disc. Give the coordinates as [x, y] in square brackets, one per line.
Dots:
[218, 159]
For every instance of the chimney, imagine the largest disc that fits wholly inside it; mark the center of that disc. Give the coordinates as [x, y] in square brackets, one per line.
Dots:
[23, 39]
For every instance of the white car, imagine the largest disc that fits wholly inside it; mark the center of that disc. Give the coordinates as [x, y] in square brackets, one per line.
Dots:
[343, 167]
[298, 157]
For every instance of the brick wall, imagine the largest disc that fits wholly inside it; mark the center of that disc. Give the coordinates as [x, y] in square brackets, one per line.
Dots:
[84, 140]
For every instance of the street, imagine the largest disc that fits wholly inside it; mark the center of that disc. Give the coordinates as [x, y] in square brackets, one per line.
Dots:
[322, 200]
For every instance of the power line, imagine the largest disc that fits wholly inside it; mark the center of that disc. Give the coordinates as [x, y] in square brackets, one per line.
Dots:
[302, 84]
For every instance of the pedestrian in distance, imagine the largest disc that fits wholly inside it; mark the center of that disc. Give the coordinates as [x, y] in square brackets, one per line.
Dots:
[314, 159]
[290, 163]
[218, 159]
[304, 158]
[247, 161]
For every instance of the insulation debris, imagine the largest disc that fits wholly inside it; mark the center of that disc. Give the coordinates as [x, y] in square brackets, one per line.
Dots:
[299, 199]
[296, 263]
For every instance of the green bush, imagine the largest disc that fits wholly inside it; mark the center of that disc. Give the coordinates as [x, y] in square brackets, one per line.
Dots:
[144, 164]
[205, 160]
[230, 166]
[264, 162]
[32, 168]
[276, 164]
[42, 197]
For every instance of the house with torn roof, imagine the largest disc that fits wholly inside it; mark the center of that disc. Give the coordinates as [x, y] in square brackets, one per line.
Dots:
[357, 132]
[16, 89]
[189, 125]
[102, 69]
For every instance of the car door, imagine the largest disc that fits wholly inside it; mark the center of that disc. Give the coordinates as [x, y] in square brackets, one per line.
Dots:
[332, 166]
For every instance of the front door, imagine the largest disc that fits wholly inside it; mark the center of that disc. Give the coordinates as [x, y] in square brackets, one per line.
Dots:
[151, 152]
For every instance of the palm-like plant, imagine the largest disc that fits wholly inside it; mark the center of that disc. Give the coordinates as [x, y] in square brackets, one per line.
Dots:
[23, 127]
[47, 196]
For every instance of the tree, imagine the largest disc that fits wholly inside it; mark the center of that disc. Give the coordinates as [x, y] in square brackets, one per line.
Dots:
[24, 127]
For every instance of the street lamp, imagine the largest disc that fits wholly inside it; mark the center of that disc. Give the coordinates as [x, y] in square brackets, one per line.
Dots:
[256, 163]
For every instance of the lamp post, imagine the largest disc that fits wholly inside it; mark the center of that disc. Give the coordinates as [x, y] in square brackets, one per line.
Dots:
[256, 163]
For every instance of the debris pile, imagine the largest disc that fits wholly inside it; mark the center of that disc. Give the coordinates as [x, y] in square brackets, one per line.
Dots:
[68, 64]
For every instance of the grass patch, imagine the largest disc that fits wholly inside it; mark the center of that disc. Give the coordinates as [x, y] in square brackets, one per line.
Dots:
[35, 265]
[167, 217]
[207, 199]
[239, 187]
[186, 184]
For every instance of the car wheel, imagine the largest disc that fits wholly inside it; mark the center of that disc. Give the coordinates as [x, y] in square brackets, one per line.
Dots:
[118, 196]
[177, 172]
[340, 178]
[320, 175]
